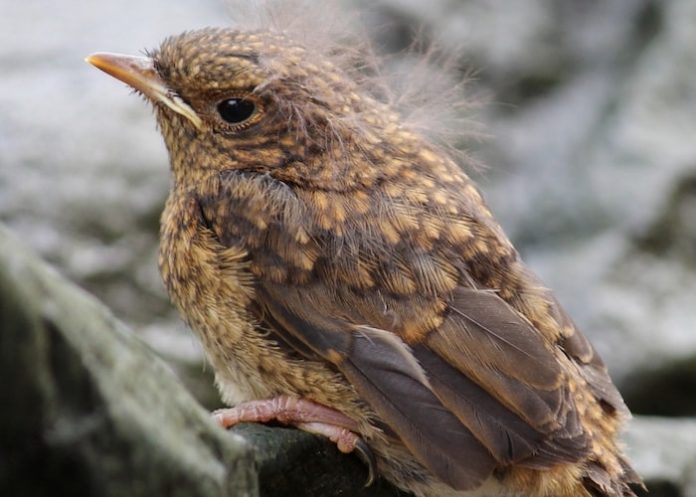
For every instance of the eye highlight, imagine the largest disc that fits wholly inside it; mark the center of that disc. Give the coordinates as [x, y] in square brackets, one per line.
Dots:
[236, 110]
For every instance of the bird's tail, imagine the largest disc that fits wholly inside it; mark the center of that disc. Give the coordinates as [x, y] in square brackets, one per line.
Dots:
[600, 482]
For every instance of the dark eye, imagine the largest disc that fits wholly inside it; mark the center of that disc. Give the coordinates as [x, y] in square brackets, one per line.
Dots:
[236, 110]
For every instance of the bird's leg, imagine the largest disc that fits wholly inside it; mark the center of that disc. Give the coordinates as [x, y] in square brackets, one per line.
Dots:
[305, 415]
[284, 409]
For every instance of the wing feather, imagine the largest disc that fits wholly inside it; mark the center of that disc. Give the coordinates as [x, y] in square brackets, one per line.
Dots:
[465, 380]
[389, 378]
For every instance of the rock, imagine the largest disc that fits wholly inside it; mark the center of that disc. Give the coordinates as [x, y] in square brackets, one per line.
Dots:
[663, 451]
[89, 409]
[664, 390]
[292, 463]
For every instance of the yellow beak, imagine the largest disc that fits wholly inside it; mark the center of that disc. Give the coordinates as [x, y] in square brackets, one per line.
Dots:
[140, 73]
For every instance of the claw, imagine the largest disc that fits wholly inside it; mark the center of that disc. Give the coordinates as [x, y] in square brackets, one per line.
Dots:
[368, 457]
[308, 416]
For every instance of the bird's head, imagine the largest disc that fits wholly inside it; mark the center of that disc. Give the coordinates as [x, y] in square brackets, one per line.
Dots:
[228, 99]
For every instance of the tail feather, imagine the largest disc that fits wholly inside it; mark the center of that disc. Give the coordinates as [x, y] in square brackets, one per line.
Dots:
[599, 483]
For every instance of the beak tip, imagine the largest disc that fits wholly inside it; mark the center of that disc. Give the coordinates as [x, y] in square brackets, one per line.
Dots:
[99, 60]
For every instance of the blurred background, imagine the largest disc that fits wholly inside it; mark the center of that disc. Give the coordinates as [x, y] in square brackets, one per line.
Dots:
[590, 111]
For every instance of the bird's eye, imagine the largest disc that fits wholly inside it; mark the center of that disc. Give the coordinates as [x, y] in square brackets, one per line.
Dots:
[236, 110]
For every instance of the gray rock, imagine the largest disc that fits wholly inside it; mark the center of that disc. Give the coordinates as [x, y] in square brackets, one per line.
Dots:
[89, 409]
[293, 463]
[663, 451]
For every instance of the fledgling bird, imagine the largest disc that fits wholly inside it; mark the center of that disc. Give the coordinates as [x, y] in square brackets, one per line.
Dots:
[345, 276]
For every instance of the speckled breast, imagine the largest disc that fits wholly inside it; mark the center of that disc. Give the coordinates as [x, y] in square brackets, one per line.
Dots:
[213, 288]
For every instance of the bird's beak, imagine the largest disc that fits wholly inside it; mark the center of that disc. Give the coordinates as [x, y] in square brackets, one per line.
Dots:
[140, 73]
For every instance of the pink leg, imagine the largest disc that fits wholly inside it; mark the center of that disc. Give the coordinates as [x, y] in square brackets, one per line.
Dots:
[284, 409]
[305, 415]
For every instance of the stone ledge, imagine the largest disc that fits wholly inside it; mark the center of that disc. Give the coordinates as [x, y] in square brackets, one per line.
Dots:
[89, 409]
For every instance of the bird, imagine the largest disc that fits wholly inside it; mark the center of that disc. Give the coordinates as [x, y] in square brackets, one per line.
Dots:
[345, 276]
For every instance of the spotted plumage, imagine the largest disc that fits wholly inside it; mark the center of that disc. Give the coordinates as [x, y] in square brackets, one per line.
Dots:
[324, 250]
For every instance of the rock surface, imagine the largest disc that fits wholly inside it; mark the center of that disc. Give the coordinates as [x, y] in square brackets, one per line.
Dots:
[88, 409]
[664, 453]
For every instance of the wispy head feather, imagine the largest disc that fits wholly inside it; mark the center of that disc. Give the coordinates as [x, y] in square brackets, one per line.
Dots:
[423, 84]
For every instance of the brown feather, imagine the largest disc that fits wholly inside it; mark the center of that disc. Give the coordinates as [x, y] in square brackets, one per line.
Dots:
[502, 432]
[384, 372]
[390, 384]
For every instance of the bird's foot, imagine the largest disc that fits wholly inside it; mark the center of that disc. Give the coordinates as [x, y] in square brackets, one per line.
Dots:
[305, 415]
